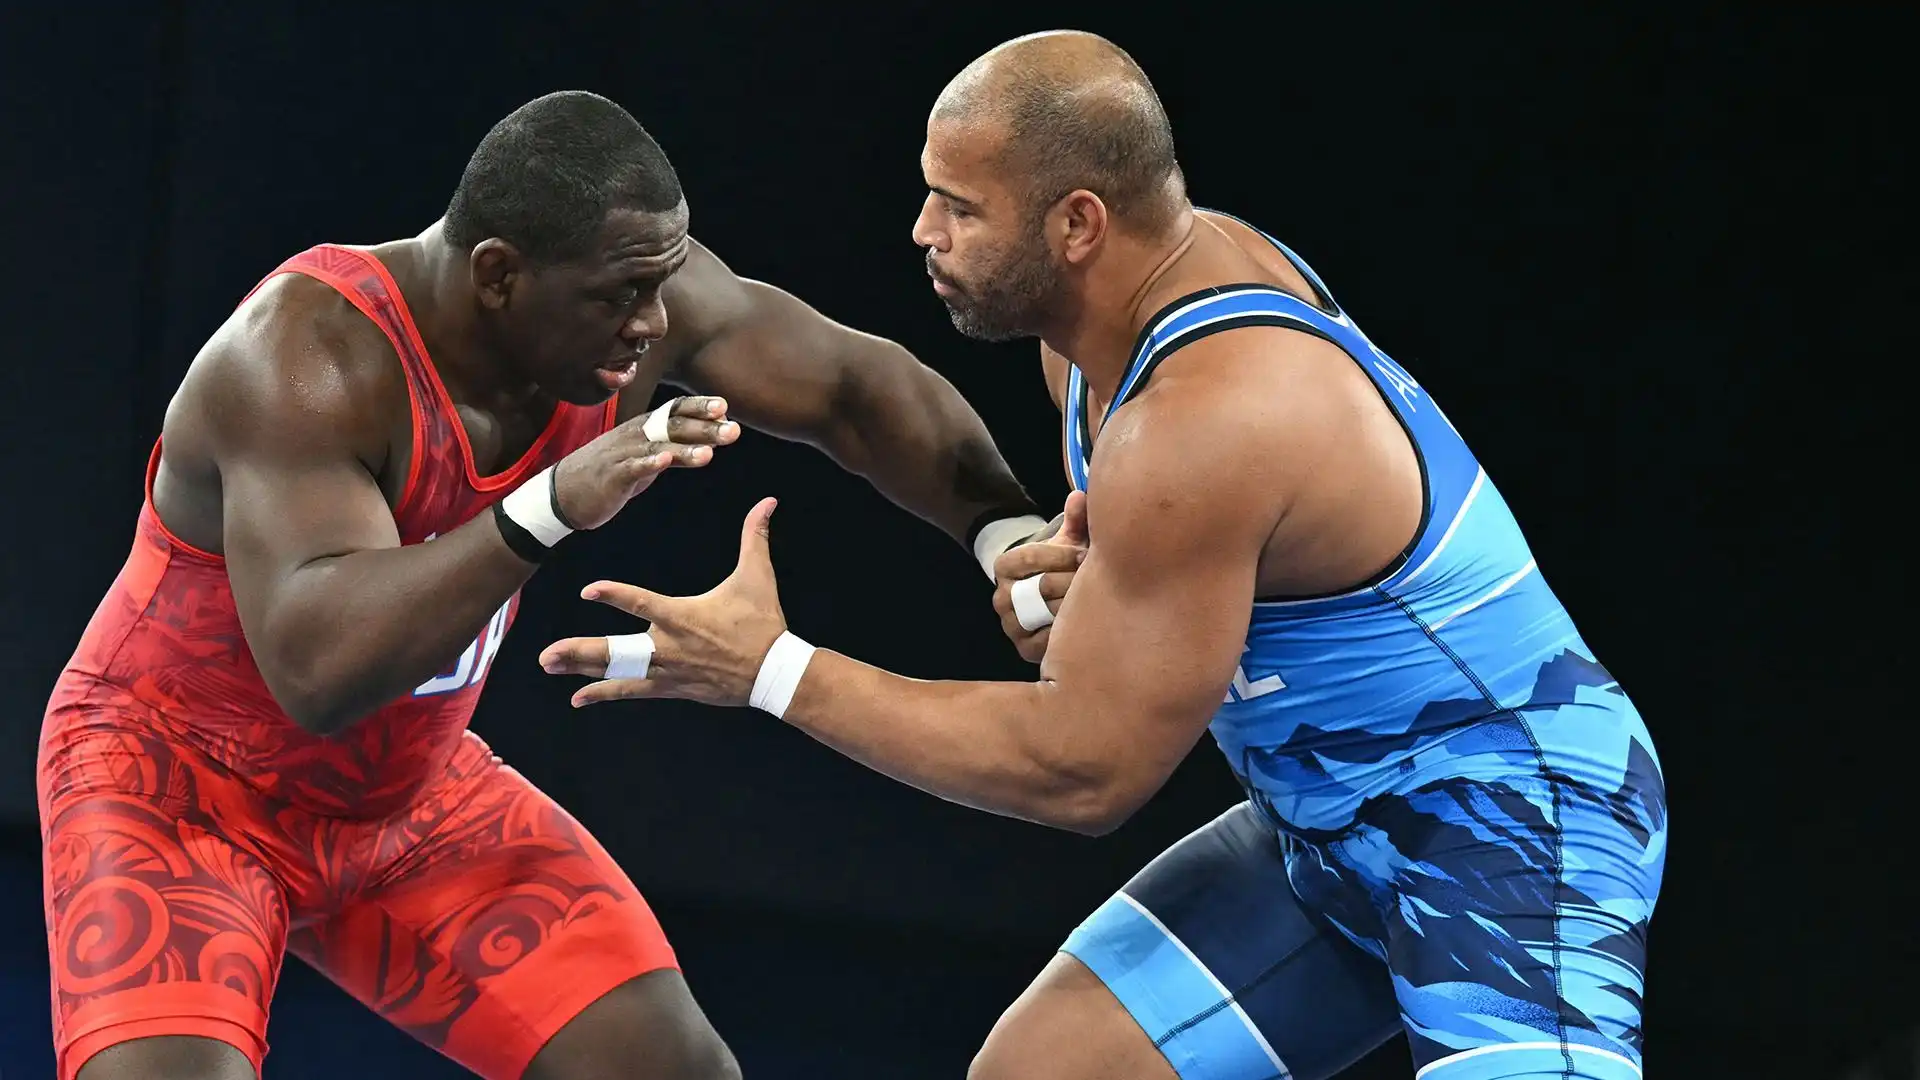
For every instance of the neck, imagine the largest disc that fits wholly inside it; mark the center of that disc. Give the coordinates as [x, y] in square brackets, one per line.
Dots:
[1111, 310]
[449, 324]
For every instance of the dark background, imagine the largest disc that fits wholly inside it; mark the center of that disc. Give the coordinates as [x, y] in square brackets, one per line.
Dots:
[1649, 263]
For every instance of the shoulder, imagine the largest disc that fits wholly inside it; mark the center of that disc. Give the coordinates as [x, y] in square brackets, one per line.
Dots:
[296, 356]
[304, 326]
[708, 303]
[1230, 225]
[1229, 428]
[704, 295]
[1248, 390]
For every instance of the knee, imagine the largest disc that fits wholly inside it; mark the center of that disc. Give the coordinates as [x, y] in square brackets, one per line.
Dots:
[692, 1051]
[695, 1054]
[688, 1055]
[637, 1033]
[1068, 1026]
[169, 1057]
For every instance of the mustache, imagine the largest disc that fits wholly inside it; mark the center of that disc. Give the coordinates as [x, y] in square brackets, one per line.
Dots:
[934, 273]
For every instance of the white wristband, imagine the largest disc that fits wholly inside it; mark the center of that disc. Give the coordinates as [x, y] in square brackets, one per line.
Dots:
[780, 674]
[1028, 607]
[629, 656]
[992, 541]
[532, 507]
[655, 426]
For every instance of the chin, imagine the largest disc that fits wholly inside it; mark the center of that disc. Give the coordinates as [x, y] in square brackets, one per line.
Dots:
[980, 331]
[583, 392]
[598, 395]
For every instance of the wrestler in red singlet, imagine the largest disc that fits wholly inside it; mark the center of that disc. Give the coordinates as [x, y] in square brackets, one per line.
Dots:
[189, 818]
[261, 742]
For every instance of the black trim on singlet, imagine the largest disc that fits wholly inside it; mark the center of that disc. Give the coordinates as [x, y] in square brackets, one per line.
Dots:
[1325, 301]
[1284, 322]
[1177, 342]
[1331, 308]
[1187, 337]
[1325, 305]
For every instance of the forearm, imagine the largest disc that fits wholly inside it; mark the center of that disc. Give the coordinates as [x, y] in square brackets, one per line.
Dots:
[1001, 747]
[905, 429]
[347, 634]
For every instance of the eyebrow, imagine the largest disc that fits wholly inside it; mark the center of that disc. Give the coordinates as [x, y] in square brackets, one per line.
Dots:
[950, 196]
[660, 264]
[663, 269]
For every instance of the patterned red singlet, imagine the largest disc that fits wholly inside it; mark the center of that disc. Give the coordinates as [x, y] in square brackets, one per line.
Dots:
[193, 833]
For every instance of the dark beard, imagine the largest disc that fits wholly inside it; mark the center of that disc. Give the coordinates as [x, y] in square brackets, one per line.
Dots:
[1011, 303]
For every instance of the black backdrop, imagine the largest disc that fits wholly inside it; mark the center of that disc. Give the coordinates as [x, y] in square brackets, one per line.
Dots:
[1648, 264]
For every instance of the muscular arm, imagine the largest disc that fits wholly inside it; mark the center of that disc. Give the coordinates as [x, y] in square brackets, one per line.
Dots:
[1144, 646]
[878, 412]
[340, 618]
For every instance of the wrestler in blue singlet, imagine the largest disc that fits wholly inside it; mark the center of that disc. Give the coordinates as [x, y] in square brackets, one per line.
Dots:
[1456, 822]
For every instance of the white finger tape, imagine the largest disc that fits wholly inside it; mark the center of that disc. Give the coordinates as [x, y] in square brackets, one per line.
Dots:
[629, 656]
[1028, 607]
[655, 429]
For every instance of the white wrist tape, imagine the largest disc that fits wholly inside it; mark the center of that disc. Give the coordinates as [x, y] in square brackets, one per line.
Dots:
[629, 656]
[655, 427]
[531, 506]
[780, 674]
[993, 540]
[1028, 607]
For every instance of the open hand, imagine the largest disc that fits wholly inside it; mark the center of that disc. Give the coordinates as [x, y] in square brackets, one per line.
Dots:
[706, 648]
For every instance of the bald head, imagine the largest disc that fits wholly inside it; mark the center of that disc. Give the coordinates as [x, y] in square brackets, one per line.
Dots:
[1071, 110]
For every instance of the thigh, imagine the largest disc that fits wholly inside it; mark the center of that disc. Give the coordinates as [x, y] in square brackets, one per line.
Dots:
[648, 1028]
[172, 1057]
[1225, 972]
[493, 920]
[1517, 935]
[166, 926]
[1067, 1025]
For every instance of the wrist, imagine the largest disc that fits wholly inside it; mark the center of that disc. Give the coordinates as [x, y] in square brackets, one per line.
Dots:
[994, 537]
[780, 673]
[529, 517]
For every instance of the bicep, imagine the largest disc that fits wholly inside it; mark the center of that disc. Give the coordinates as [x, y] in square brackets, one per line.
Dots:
[763, 349]
[294, 482]
[1150, 633]
[1146, 642]
[282, 512]
[777, 364]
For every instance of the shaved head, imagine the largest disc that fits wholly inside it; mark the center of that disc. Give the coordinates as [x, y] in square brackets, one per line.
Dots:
[1070, 110]
[1041, 154]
